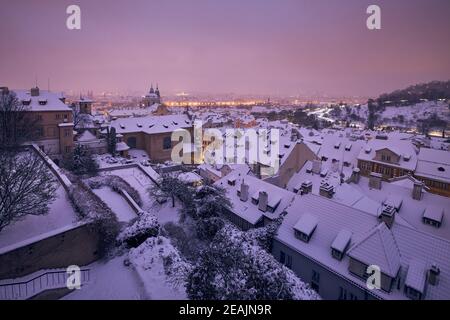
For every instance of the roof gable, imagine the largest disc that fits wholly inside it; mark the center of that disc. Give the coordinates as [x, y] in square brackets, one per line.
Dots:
[378, 248]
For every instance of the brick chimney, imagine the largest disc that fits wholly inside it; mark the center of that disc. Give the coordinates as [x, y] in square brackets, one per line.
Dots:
[375, 180]
[417, 190]
[355, 175]
[433, 275]
[244, 191]
[326, 190]
[306, 187]
[316, 166]
[34, 92]
[263, 201]
[388, 215]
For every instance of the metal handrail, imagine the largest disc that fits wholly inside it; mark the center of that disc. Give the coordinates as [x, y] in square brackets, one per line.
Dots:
[46, 281]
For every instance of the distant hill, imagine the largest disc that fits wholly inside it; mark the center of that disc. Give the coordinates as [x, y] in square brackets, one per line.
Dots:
[431, 91]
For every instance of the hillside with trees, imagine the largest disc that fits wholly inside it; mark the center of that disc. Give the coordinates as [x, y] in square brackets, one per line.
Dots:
[431, 91]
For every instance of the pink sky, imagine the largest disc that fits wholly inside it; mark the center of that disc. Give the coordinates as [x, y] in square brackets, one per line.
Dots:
[251, 46]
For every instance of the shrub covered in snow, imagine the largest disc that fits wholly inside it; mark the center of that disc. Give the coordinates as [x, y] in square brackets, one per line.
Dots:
[233, 267]
[183, 238]
[91, 208]
[144, 227]
[264, 235]
[206, 229]
[157, 259]
[117, 184]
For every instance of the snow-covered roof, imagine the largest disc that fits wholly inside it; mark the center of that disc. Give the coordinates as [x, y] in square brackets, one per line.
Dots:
[401, 148]
[152, 124]
[434, 214]
[53, 102]
[122, 146]
[86, 136]
[247, 210]
[378, 248]
[306, 224]
[416, 276]
[411, 211]
[342, 240]
[373, 242]
[434, 164]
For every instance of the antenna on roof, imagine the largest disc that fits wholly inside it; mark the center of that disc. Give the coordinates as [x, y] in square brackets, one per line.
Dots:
[48, 84]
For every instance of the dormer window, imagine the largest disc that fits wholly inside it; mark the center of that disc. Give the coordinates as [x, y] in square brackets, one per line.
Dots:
[441, 169]
[305, 227]
[348, 147]
[26, 102]
[337, 145]
[165, 126]
[385, 158]
[368, 150]
[139, 125]
[42, 102]
[232, 181]
[341, 244]
[122, 126]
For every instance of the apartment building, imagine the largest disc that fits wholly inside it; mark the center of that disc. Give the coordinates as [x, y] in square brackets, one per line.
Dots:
[152, 133]
[54, 121]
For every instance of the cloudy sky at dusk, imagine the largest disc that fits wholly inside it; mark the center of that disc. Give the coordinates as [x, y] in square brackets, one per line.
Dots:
[240, 46]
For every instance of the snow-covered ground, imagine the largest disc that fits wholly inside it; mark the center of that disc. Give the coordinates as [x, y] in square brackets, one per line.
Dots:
[61, 214]
[111, 280]
[116, 203]
[141, 182]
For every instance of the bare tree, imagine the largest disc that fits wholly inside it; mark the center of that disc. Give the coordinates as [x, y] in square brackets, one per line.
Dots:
[17, 125]
[26, 185]
[80, 120]
[170, 187]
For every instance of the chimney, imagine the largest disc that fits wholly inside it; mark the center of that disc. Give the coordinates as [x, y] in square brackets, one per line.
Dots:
[263, 200]
[316, 166]
[306, 187]
[375, 180]
[355, 175]
[326, 190]
[34, 92]
[244, 191]
[417, 190]
[388, 215]
[433, 275]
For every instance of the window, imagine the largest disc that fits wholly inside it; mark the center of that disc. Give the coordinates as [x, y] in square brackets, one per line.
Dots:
[315, 281]
[40, 132]
[66, 132]
[385, 158]
[57, 116]
[315, 276]
[282, 257]
[39, 117]
[289, 262]
[167, 143]
[342, 294]
[67, 149]
[353, 297]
